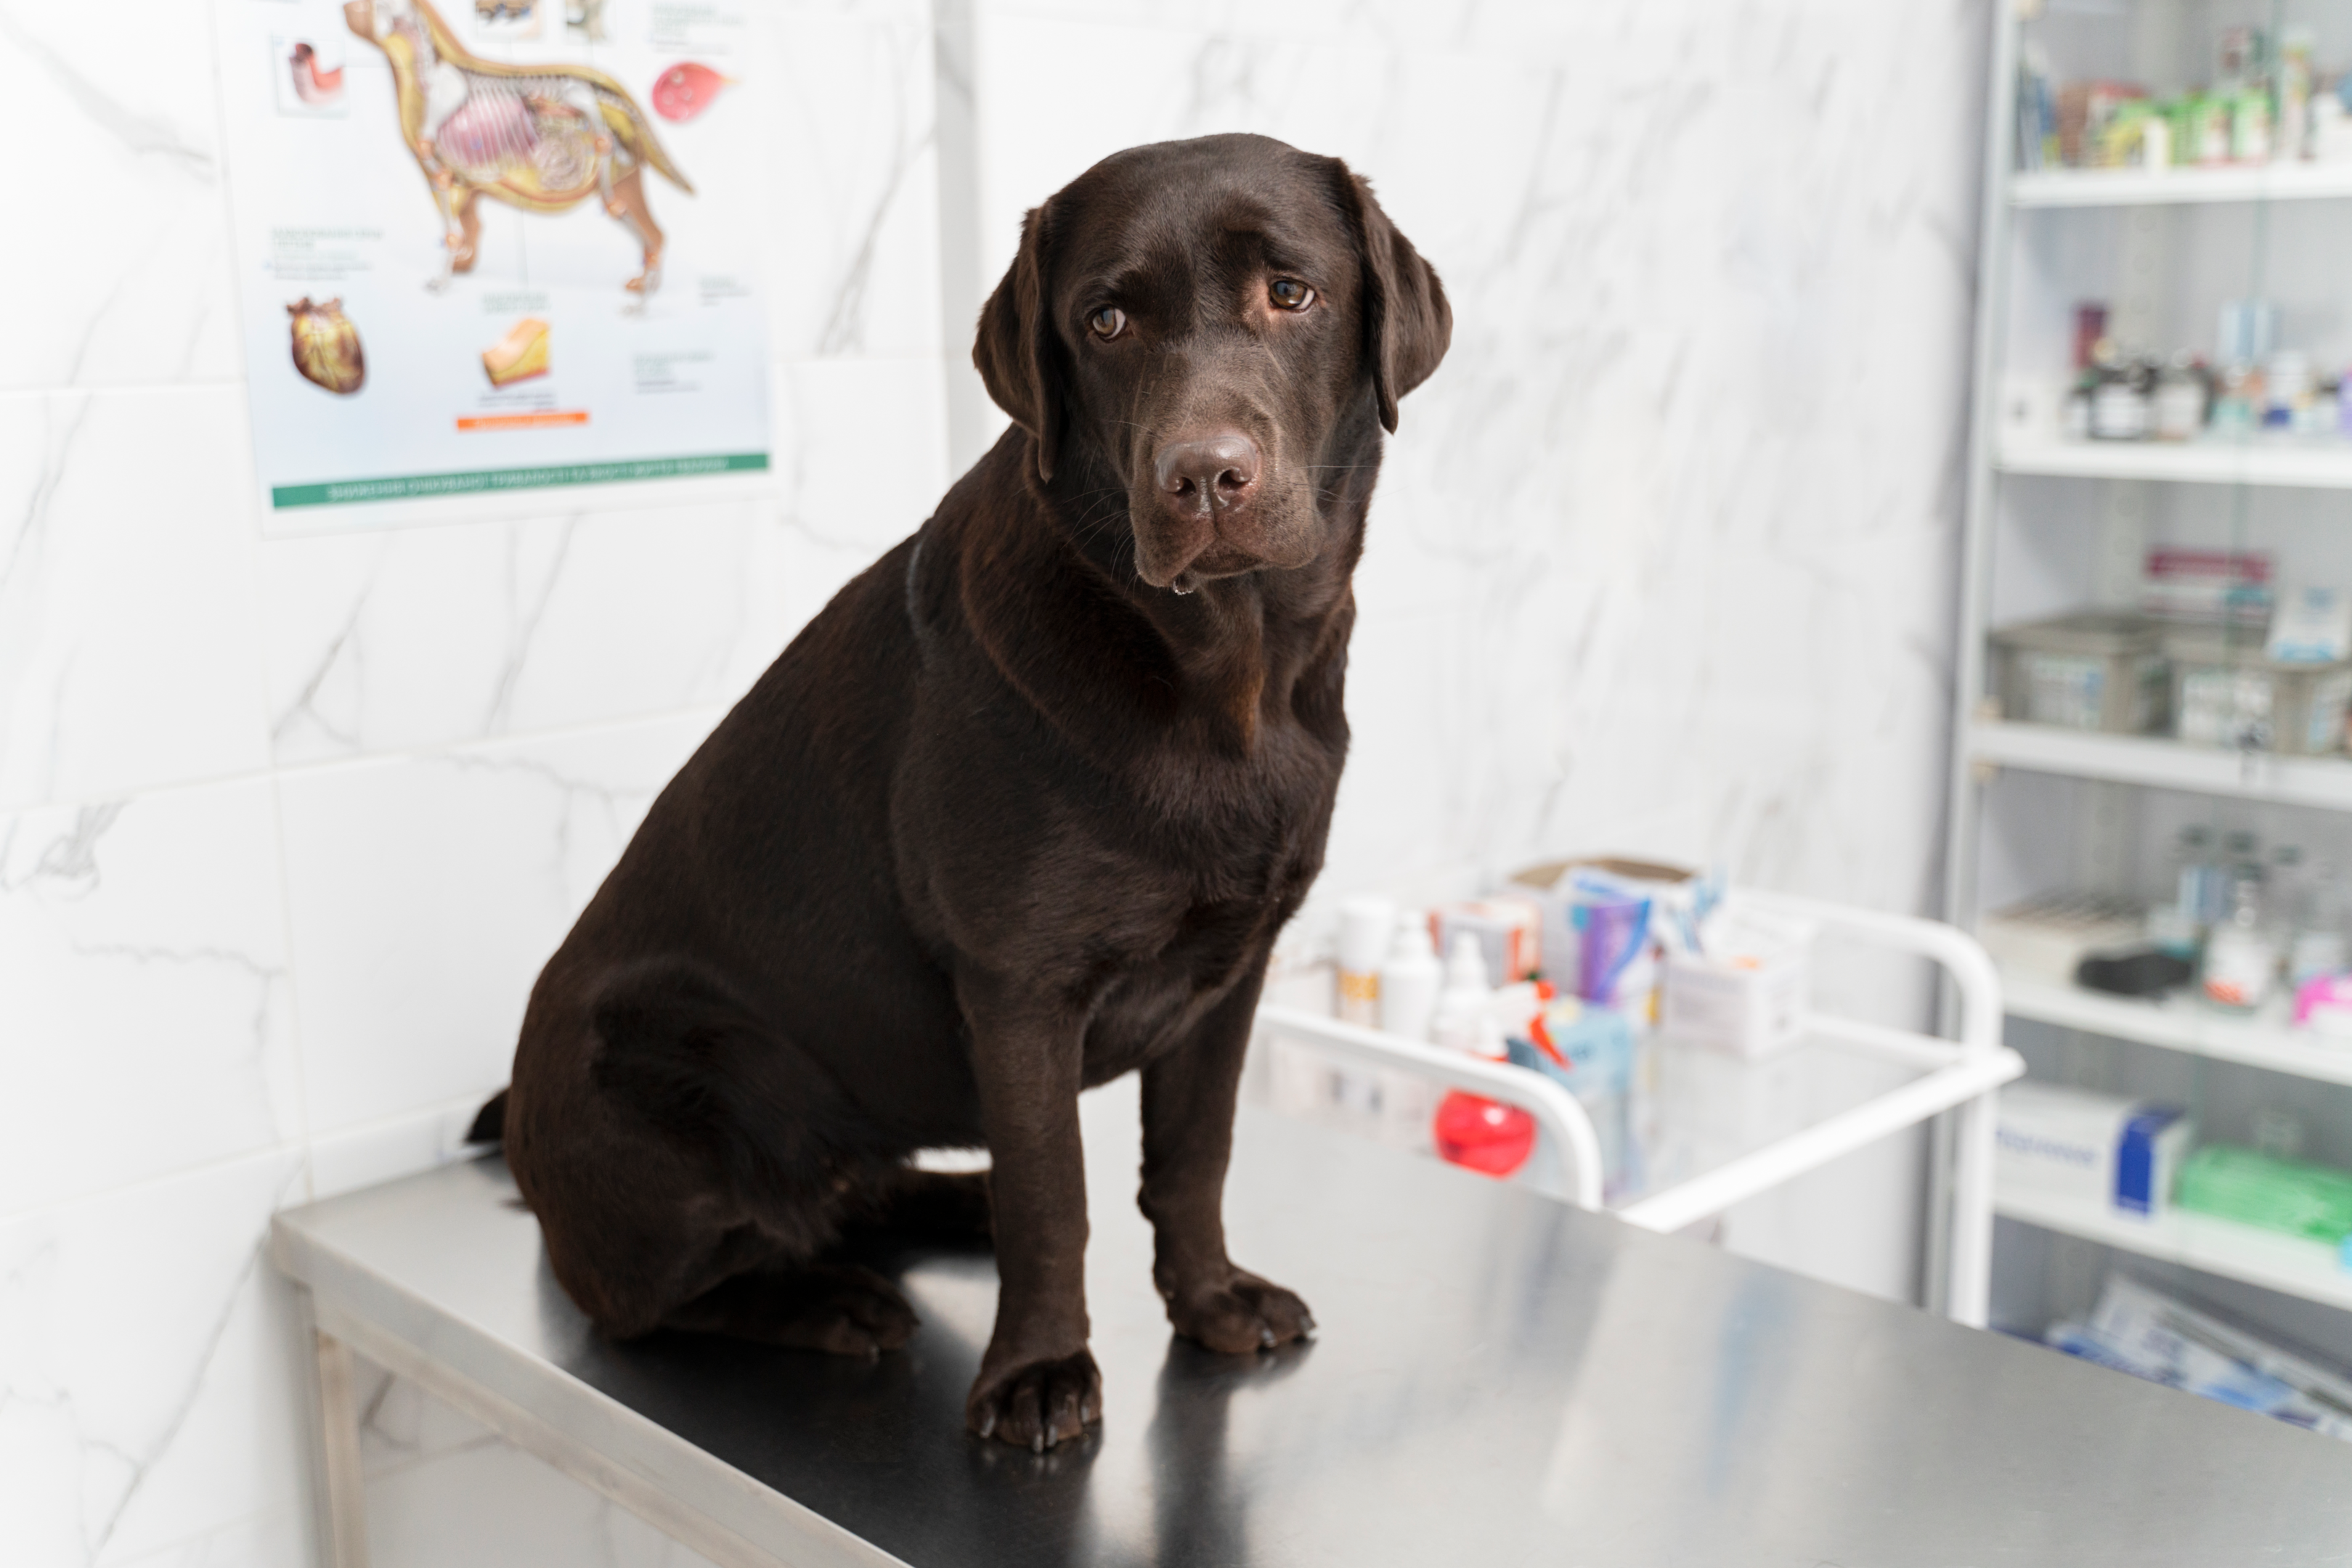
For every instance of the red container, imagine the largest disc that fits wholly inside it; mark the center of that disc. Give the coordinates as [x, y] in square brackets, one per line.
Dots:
[1480, 1136]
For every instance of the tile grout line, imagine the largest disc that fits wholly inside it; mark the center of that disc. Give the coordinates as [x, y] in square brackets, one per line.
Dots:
[430, 753]
[303, 1147]
[170, 1551]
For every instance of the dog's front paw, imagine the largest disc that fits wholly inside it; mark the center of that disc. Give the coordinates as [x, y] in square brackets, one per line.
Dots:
[1037, 1404]
[1238, 1312]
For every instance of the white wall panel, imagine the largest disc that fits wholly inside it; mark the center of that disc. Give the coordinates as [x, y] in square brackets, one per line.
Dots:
[1660, 562]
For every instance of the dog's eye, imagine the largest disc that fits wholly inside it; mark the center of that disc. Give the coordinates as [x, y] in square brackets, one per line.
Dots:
[1108, 322]
[1290, 293]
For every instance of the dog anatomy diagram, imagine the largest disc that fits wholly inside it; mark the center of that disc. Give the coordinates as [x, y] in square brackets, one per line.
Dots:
[494, 196]
[541, 139]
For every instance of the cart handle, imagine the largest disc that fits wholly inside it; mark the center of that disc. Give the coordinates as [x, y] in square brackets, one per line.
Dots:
[1978, 982]
[1555, 1110]
[1981, 1065]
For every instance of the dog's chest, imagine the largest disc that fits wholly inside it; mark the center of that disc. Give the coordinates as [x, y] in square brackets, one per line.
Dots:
[1220, 931]
[1156, 1007]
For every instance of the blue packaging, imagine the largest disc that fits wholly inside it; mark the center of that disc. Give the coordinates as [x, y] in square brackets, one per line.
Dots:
[1599, 1045]
[2137, 1161]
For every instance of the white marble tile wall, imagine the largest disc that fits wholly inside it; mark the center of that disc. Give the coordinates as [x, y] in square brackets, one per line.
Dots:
[1662, 562]
[288, 823]
[1662, 558]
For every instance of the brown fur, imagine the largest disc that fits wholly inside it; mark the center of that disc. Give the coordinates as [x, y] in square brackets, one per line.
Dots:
[1009, 818]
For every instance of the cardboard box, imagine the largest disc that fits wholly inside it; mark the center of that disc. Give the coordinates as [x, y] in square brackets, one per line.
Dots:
[1749, 992]
[2102, 1150]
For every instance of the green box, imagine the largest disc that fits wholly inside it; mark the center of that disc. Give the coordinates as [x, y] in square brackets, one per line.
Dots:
[2290, 1197]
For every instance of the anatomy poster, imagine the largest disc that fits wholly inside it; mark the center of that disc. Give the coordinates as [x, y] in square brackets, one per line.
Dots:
[493, 244]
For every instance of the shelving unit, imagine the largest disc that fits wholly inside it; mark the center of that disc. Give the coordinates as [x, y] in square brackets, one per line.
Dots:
[2266, 1040]
[2056, 524]
[2281, 1263]
[2324, 782]
[2306, 465]
[2137, 188]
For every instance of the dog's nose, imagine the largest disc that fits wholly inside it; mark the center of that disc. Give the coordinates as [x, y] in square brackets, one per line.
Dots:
[1217, 471]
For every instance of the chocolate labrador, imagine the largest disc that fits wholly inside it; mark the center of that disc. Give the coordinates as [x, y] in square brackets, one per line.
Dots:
[1020, 810]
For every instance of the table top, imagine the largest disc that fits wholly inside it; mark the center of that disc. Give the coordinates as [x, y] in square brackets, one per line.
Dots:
[1496, 1379]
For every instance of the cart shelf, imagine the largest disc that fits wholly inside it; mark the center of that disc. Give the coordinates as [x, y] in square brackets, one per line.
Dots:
[1712, 1130]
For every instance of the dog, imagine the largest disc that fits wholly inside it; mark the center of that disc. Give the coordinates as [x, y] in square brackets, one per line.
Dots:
[542, 138]
[1020, 810]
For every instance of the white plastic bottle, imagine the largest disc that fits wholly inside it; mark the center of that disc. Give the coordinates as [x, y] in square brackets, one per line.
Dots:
[1408, 1099]
[2242, 956]
[1409, 980]
[1408, 998]
[1367, 931]
[1464, 1020]
[2318, 947]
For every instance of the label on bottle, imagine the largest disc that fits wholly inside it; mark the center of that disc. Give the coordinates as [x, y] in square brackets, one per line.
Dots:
[2240, 966]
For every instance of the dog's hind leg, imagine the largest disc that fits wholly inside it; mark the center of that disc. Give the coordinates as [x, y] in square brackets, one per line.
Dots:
[465, 240]
[444, 198]
[748, 1161]
[913, 1204]
[743, 1283]
[626, 201]
[839, 1308]
[842, 1307]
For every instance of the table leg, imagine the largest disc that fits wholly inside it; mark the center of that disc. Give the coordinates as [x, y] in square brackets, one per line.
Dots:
[342, 1487]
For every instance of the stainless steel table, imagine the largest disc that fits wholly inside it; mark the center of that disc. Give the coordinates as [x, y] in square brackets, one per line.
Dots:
[1498, 1379]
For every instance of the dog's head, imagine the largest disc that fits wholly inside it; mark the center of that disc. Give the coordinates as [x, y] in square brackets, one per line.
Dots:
[369, 20]
[378, 20]
[1214, 325]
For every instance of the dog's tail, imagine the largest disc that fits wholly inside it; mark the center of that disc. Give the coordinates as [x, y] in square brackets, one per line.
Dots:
[490, 1122]
[630, 127]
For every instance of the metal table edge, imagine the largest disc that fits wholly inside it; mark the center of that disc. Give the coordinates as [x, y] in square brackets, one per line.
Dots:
[769, 1526]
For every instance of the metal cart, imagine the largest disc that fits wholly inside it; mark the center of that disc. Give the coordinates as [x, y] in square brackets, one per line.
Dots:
[1723, 1129]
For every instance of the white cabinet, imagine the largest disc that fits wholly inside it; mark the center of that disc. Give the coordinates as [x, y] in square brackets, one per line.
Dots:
[2181, 259]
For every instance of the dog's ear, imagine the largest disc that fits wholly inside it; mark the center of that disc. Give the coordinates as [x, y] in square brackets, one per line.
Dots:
[1016, 351]
[1407, 323]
